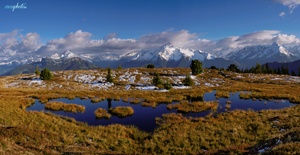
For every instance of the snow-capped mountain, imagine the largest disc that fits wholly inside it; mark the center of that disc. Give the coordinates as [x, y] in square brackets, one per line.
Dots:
[17, 61]
[66, 62]
[295, 50]
[166, 56]
[169, 52]
[251, 55]
[7, 64]
[66, 55]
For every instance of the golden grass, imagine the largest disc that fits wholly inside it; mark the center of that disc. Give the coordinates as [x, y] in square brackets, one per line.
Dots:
[60, 106]
[136, 100]
[185, 106]
[149, 104]
[97, 99]
[222, 94]
[102, 113]
[234, 132]
[121, 111]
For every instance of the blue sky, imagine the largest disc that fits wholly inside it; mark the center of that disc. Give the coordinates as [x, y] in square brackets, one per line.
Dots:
[110, 25]
[211, 19]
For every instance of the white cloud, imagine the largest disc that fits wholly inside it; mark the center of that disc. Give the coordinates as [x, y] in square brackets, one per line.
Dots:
[292, 4]
[257, 38]
[13, 44]
[8, 40]
[285, 39]
[29, 43]
[282, 14]
[181, 38]
[72, 40]
[80, 42]
[265, 37]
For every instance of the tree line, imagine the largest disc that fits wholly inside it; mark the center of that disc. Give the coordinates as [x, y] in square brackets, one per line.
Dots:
[263, 69]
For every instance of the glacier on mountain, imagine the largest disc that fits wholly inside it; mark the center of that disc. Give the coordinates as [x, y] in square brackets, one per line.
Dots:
[169, 52]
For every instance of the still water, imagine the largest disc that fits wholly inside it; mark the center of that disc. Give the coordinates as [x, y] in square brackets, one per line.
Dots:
[144, 117]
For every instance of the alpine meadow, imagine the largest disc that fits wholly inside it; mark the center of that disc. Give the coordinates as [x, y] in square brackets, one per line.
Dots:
[150, 77]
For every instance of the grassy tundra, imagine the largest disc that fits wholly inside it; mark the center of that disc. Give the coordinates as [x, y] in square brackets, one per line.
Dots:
[236, 132]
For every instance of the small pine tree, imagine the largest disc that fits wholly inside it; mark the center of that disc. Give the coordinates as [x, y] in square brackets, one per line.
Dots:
[109, 77]
[37, 72]
[278, 71]
[233, 68]
[156, 80]
[188, 81]
[150, 66]
[46, 74]
[196, 67]
[268, 70]
[274, 71]
[167, 85]
[213, 67]
[258, 68]
[293, 73]
[286, 70]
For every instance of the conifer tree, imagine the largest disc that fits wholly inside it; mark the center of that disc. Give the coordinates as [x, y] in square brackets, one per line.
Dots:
[156, 80]
[293, 73]
[196, 67]
[188, 81]
[46, 74]
[109, 77]
[37, 72]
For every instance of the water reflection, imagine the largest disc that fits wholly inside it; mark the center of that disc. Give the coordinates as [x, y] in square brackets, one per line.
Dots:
[109, 103]
[144, 117]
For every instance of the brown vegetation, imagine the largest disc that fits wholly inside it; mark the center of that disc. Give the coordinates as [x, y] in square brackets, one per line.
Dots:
[102, 113]
[185, 106]
[58, 106]
[234, 132]
[121, 111]
[149, 104]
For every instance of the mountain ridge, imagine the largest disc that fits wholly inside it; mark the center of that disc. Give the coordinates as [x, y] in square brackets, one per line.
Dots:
[169, 55]
[251, 55]
[55, 64]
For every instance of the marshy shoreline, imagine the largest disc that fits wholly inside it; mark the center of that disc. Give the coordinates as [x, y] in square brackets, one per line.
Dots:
[237, 131]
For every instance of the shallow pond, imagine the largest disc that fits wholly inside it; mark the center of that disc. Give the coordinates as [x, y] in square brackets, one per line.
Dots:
[144, 117]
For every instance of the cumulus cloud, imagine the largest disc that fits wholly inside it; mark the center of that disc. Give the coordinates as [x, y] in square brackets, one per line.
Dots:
[80, 42]
[8, 40]
[285, 39]
[72, 40]
[292, 4]
[178, 38]
[13, 44]
[265, 37]
[110, 36]
[29, 43]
